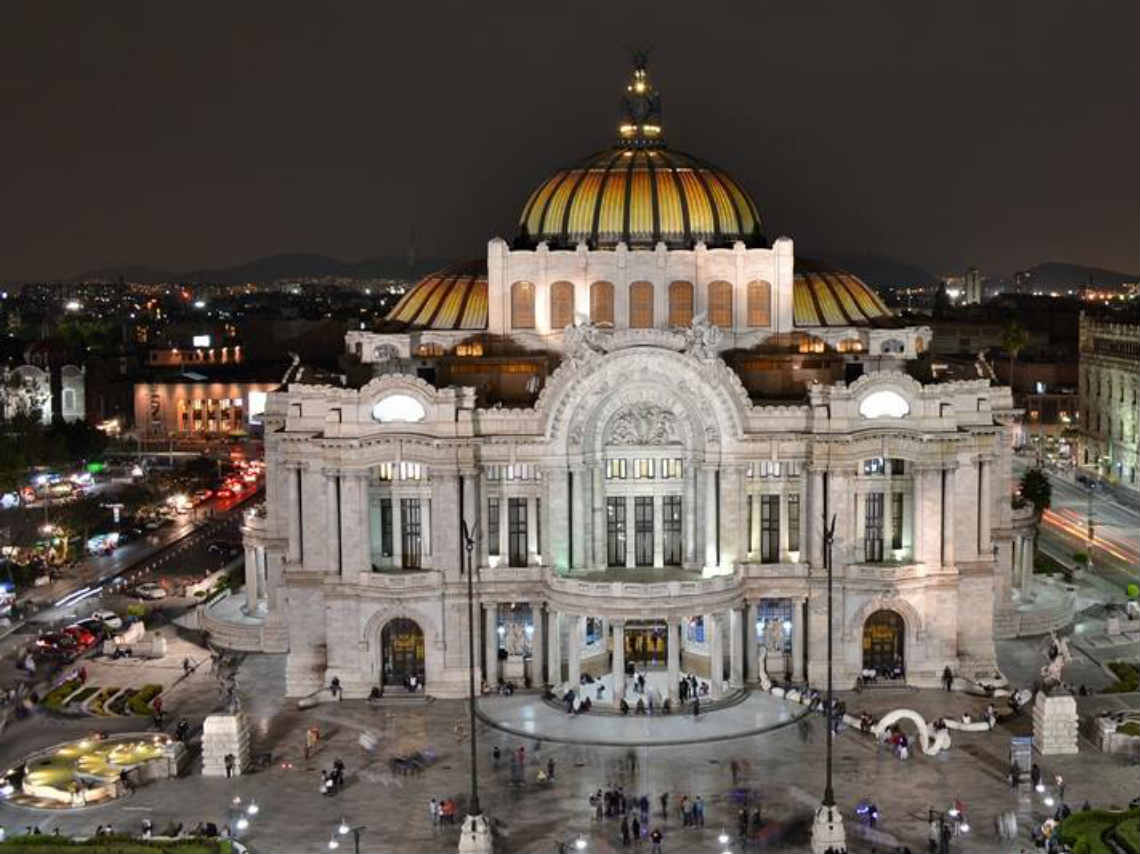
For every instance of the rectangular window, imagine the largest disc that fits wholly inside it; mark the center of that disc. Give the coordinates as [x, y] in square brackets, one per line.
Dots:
[875, 465]
[769, 528]
[516, 531]
[412, 533]
[643, 531]
[493, 526]
[386, 527]
[873, 528]
[643, 469]
[898, 466]
[615, 531]
[896, 520]
[671, 528]
[615, 469]
[793, 523]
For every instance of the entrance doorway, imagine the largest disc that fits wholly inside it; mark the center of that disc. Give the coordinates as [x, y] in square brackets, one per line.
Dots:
[645, 644]
[402, 645]
[883, 637]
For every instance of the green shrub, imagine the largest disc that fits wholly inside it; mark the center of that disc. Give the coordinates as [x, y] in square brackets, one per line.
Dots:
[118, 705]
[55, 697]
[119, 843]
[1127, 677]
[1133, 591]
[78, 699]
[136, 609]
[1085, 830]
[139, 702]
[96, 706]
[1080, 558]
[1129, 728]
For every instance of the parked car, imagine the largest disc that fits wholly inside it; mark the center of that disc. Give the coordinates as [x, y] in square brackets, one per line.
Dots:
[56, 643]
[224, 492]
[96, 627]
[150, 590]
[108, 618]
[202, 495]
[84, 639]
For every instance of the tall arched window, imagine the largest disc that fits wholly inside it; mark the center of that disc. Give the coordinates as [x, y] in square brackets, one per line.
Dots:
[759, 304]
[680, 303]
[561, 305]
[720, 304]
[602, 303]
[641, 305]
[522, 305]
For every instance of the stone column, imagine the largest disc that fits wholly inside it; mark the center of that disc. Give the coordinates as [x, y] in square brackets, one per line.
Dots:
[336, 521]
[733, 539]
[559, 501]
[797, 639]
[751, 670]
[251, 579]
[753, 524]
[354, 528]
[554, 648]
[504, 530]
[491, 641]
[425, 529]
[618, 628]
[888, 516]
[673, 656]
[574, 652]
[716, 653]
[813, 514]
[531, 530]
[294, 513]
[841, 505]
[985, 510]
[689, 511]
[710, 516]
[1027, 556]
[658, 533]
[735, 648]
[948, 502]
[537, 645]
[597, 556]
[397, 533]
[578, 525]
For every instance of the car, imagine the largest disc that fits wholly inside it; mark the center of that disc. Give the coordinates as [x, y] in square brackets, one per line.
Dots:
[57, 643]
[150, 590]
[203, 495]
[224, 492]
[108, 618]
[84, 639]
[97, 628]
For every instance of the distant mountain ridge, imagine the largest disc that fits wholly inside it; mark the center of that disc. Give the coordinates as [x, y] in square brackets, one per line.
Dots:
[1061, 274]
[286, 265]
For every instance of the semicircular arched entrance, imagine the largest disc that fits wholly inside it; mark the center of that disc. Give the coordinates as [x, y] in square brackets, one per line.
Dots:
[402, 652]
[884, 644]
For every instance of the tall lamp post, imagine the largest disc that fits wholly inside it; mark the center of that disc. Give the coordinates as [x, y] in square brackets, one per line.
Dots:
[827, 835]
[475, 835]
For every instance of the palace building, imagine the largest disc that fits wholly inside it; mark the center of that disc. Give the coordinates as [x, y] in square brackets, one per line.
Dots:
[642, 410]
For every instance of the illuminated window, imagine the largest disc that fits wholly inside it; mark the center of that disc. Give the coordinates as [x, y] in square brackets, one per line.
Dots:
[641, 305]
[680, 303]
[522, 305]
[720, 304]
[602, 303]
[759, 304]
[884, 404]
[561, 305]
[615, 469]
[399, 407]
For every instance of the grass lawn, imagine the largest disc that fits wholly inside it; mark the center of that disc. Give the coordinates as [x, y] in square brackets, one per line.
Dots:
[117, 844]
[1085, 830]
[1128, 832]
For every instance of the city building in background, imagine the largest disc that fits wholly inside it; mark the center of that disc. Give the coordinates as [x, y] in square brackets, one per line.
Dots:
[1109, 387]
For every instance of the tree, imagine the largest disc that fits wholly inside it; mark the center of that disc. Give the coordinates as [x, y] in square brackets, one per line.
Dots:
[1013, 340]
[1038, 491]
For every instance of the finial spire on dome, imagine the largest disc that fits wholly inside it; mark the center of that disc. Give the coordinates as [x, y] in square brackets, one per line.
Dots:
[640, 111]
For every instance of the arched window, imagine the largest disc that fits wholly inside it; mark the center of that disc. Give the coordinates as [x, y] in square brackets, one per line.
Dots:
[602, 303]
[641, 305]
[561, 305]
[522, 305]
[720, 304]
[759, 304]
[680, 303]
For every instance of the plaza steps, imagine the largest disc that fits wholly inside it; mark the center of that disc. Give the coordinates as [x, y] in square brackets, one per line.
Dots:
[403, 701]
[734, 697]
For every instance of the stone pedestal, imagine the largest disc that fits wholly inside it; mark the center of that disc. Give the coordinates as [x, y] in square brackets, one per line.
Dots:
[475, 835]
[223, 734]
[1055, 723]
[827, 834]
[776, 664]
[514, 668]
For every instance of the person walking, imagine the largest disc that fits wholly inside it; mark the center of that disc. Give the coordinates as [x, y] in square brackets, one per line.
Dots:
[433, 812]
[229, 761]
[550, 767]
[699, 812]
[635, 826]
[1060, 781]
[1035, 775]
[696, 707]
[947, 677]
[495, 756]
[664, 805]
[1014, 774]
[625, 832]
[656, 838]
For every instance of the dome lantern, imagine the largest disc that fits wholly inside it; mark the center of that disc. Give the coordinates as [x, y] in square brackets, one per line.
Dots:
[640, 109]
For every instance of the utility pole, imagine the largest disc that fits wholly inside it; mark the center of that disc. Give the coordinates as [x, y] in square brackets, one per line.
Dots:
[1091, 530]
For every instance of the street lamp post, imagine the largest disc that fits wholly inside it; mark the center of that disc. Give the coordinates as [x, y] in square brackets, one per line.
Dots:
[475, 835]
[827, 834]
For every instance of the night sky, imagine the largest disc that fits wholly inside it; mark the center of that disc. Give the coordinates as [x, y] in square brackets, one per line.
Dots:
[186, 135]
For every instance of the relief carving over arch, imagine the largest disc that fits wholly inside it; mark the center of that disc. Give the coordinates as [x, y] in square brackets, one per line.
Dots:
[644, 424]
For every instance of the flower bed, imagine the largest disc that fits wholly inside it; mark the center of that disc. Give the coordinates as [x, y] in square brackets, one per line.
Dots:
[55, 697]
[96, 706]
[119, 843]
[1086, 831]
[118, 706]
[1127, 677]
[79, 698]
[139, 702]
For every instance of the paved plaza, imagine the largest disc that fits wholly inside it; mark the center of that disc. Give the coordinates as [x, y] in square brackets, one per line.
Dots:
[781, 769]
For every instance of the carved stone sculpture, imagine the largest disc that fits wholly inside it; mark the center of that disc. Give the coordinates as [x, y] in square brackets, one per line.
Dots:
[702, 338]
[582, 343]
[1058, 655]
[644, 424]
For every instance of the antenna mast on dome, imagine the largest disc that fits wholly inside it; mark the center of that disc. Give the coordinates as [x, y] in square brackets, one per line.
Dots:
[640, 111]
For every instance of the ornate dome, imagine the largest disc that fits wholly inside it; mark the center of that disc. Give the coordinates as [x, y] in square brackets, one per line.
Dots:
[640, 192]
[455, 298]
[824, 295]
